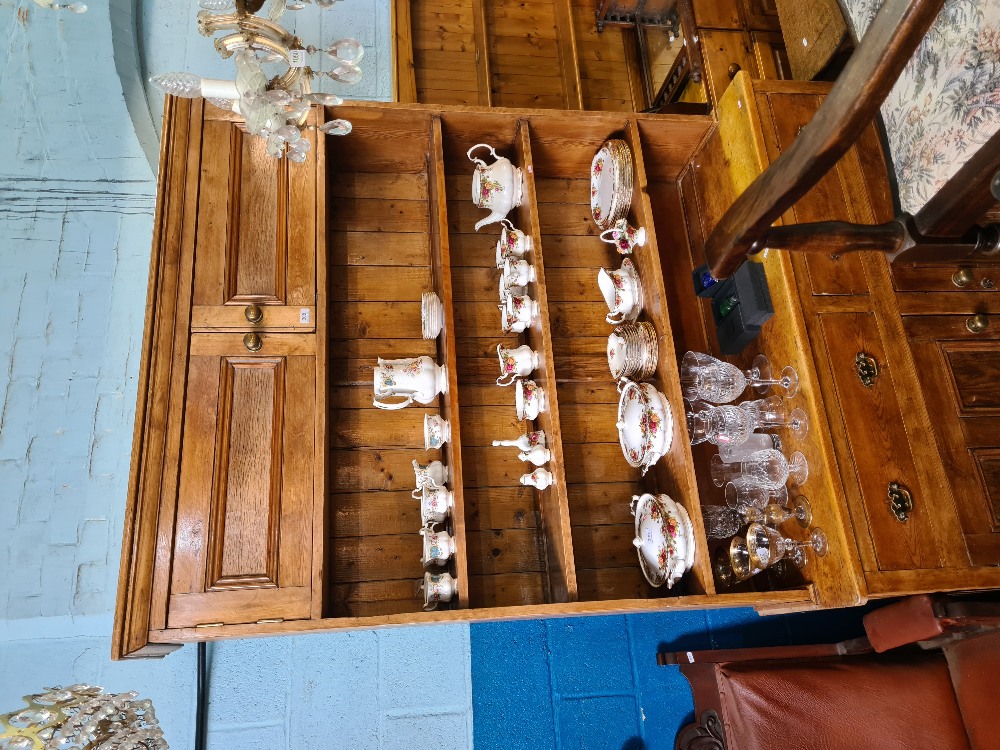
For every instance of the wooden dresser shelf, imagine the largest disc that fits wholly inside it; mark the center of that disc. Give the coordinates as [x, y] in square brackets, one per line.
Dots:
[269, 496]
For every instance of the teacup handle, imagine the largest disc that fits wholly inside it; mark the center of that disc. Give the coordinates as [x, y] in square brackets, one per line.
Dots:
[418, 493]
[506, 379]
[476, 159]
[430, 607]
[615, 318]
[393, 406]
[507, 221]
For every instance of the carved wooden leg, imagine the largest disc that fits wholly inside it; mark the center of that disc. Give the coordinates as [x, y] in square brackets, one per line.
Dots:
[706, 734]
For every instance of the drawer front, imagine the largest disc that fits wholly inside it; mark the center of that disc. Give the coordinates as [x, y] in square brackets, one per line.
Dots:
[946, 277]
[879, 447]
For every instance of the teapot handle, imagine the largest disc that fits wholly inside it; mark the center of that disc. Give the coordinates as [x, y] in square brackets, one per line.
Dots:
[476, 159]
[393, 406]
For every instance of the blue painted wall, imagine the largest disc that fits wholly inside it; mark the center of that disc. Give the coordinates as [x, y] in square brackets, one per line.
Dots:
[593, 683]
[76, 211]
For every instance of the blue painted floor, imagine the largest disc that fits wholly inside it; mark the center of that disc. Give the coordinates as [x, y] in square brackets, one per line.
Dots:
[592, 683]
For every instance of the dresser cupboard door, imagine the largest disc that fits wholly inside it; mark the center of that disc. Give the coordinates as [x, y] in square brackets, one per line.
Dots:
[959, 369]
[255, 248]
[243, 542]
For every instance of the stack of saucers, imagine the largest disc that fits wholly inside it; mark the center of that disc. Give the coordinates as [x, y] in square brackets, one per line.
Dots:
[632, 351]
[611, 183]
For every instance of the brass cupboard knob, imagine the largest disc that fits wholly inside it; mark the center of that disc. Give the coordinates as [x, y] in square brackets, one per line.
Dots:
[253, 342]
[977, 323]
[254, 313]
[733, 69]
[962, 277]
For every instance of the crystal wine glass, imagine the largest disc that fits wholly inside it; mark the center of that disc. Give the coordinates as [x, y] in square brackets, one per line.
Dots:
[768, 468]
[740, 559]
[722, 568]
[741, 493]
[770, 412]
[720, 425]
[759, 376]
[800, 510]
[709, 379]
[765, 546]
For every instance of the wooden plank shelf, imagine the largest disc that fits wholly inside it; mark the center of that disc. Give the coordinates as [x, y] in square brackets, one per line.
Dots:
[441, 269]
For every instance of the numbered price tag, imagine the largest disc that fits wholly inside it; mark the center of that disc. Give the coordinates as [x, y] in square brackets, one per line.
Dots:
[297, 58]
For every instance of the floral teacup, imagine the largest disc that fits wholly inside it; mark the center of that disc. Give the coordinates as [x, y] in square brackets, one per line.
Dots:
[515, 363]
[506, 288]
[437, 431]
[529, 399]
[434, 474]
[624, 237]
[436, 504]
[518, 311]
[438, 587]
[438, 546]
[518, 272]
[513, 243]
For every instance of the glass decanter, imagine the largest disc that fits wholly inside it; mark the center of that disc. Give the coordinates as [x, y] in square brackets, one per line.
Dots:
[767, 468]
[766, 546]
[770, 412]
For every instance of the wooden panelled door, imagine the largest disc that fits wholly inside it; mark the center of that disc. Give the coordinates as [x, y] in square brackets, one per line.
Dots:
[243, 550]
[960, 369]
[256, 240]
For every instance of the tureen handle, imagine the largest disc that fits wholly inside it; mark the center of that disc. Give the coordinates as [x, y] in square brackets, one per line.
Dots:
[632, 504]
[637, 542]
[476, 159]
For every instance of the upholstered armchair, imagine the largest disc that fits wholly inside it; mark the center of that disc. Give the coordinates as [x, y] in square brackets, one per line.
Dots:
[875, 692]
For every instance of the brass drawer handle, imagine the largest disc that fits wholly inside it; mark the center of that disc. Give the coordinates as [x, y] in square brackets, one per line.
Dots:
[900, 501]
[253, 342]
[962, 277]
[867, 369]
[978, 323]
[254, 313]
[732, 70]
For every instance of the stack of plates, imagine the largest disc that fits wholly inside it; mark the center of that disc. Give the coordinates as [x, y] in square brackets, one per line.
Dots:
[664, 539]
[611, 183]
[632, 351]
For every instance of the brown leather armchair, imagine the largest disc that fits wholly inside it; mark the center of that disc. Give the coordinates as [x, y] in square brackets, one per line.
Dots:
[852, 696]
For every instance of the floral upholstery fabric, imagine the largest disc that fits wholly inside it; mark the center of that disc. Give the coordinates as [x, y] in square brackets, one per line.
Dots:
[947, 102]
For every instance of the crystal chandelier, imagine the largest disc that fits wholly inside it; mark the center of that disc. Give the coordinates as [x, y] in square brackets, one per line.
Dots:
[274, 109]
[82, 717]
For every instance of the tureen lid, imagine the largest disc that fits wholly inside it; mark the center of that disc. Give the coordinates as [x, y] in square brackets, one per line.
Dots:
[658, 528]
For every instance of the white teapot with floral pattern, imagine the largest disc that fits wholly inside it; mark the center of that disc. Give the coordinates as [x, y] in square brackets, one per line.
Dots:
[496, 187]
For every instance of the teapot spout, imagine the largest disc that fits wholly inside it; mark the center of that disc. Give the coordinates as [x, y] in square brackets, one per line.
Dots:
[491, 219]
